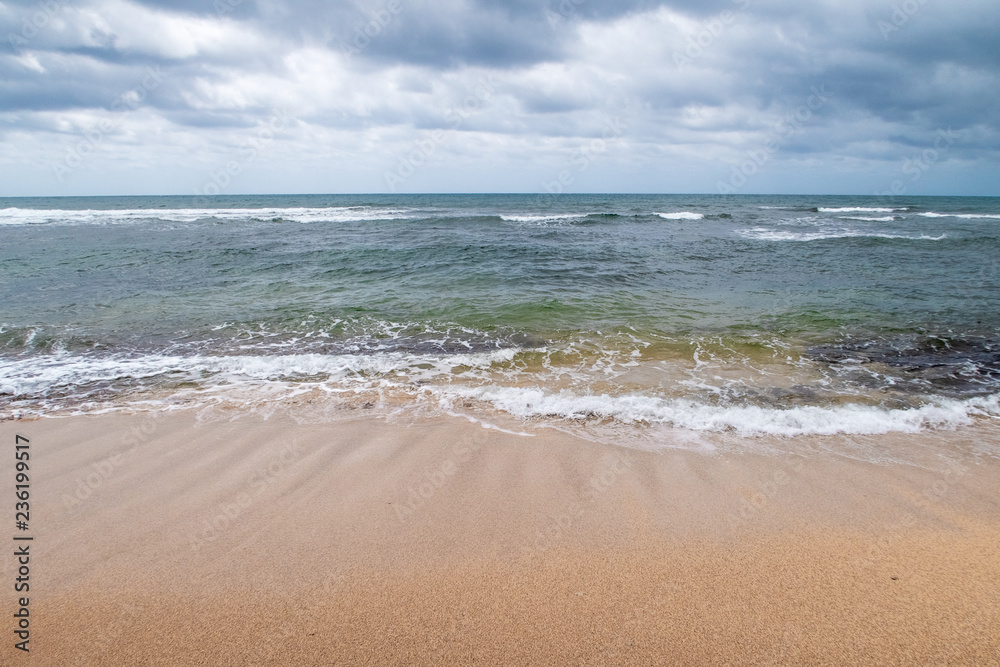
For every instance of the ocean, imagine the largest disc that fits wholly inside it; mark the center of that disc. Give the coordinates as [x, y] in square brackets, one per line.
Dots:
[616, 314]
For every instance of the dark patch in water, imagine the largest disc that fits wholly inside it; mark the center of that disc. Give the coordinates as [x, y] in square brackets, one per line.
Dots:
[783, 397]
[952, 365]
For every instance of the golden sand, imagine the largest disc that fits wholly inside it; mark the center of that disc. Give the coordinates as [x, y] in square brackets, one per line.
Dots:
[171, 541]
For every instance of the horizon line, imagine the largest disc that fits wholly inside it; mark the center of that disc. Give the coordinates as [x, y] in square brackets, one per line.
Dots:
[541, 194]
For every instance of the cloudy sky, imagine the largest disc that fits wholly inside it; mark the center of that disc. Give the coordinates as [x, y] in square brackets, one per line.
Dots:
[678, 96]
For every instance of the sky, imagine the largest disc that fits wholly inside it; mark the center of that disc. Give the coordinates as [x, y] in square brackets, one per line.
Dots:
[105, 97]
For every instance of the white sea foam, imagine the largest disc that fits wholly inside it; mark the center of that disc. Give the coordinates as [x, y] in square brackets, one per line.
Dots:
[745, 420]
[450, 381]
[542, 218]
[681, 215]
[41, 374]
[24, 216]
[859, 209]
[769, 234]
[861, 218]
[964, 216]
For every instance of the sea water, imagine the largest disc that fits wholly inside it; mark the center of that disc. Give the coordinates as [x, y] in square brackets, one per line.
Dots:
[778, 315]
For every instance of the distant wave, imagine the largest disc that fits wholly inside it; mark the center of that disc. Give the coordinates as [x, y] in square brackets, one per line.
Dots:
[25, 216]
[964, 216]
[859, 209]
[542, 218]
[681, 215]
[885, 218]
[767, 234]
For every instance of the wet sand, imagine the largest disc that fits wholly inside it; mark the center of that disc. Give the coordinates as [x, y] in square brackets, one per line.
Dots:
[168, 540]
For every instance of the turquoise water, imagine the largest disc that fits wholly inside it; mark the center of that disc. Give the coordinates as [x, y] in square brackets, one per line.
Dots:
[623, 308]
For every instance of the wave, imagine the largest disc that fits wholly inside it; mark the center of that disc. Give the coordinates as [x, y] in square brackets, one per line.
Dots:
[767, 234]
[23, 216]
[852, 419]
[681, 215]
[63, 374]
[859, 209]
[60, 381]
[861, 218]
[434, 381]
[964, 216]
[542, 218]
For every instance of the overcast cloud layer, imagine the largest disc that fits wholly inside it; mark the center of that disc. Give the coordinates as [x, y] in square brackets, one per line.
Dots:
[261, 96]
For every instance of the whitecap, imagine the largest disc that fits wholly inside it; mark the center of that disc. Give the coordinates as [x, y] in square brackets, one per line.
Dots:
[766, 234]
[681, 215]
[541, 218]
[23, 216]
[964, 216]
[859, 209]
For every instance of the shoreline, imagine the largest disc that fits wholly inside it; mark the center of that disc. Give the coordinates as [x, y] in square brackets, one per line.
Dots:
[436, 540]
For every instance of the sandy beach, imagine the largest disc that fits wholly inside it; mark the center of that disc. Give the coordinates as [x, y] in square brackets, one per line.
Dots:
[174, 540]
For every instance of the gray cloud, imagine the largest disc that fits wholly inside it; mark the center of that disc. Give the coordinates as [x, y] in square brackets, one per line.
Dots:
[699, 84]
